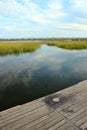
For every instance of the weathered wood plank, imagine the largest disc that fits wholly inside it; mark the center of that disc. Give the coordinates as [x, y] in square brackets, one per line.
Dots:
[58, 125]
[70, 113]
[82, 120]
[28, 118]
[40, 122]
[65, 126]
[52, 116]
[26, 107]
[84, 126]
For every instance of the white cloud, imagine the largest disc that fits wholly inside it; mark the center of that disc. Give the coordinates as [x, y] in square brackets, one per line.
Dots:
[9, 28]
[79, 26]
[50, 15]
[80, 5]
[22, 17]
[55, 6]
[82, 20]
[14, 9]
[31, 11]
[1, 17]
[41, 19]
[55, 10]
[72, 26]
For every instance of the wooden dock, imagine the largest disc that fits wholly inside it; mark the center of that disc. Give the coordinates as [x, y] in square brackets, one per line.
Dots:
[63, 110]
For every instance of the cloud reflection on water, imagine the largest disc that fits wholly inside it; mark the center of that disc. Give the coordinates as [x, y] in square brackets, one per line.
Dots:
[32, 75]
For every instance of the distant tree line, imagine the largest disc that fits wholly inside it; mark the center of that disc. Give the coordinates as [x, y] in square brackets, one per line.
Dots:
[41, 39]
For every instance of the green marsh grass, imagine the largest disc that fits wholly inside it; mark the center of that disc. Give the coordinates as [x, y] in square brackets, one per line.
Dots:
[70, 44]
[18, 47]
[21, 47]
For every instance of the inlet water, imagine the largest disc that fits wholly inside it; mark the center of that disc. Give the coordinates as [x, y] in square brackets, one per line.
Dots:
[29, 76]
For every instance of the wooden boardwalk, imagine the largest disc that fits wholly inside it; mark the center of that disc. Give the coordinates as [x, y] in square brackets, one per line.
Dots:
[68, 113]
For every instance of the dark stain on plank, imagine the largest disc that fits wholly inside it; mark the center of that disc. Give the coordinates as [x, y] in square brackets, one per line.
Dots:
[62, 99]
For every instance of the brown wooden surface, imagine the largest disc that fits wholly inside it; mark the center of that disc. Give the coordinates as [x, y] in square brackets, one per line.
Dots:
[70, 113]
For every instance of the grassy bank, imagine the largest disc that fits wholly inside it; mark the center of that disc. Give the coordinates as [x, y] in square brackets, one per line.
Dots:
[17, 47]
[70, 44]
[20, 47]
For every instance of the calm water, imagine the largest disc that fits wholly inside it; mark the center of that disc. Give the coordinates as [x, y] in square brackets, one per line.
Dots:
[28, 76]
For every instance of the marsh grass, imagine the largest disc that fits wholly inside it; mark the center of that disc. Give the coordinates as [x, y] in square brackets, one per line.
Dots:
[21, 47]
[70, 44]
[17, 47]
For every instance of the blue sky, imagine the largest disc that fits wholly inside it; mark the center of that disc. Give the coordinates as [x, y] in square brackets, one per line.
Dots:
[43, 18]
